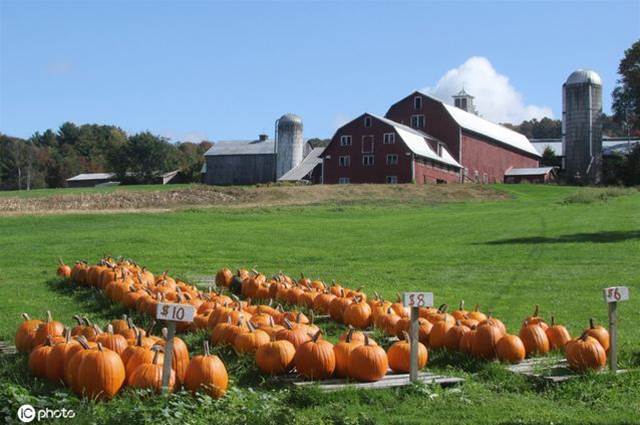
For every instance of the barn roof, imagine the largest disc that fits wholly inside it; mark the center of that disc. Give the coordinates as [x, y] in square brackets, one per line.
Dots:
[305, 167]
[541, 171]
[476, 124]
[241, 147]
[610, 145]
[91, 176]
[415, 141]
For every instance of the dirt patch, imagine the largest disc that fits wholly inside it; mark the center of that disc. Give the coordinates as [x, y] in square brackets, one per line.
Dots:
[130, 200]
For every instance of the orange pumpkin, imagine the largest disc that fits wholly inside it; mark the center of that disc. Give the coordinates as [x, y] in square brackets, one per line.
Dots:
[558, 335]
[275, 357]
[510, 349]
[315, 359]
[100, 373]
[26, 333]
[207, 372]
[585, 353]
[149, 375]
[399, 355]
[534, 338]
[342, 351]
[368, 362]
[599, 333]
[49, 327]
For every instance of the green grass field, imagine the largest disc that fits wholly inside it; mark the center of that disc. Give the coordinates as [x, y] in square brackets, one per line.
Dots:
[505, 255]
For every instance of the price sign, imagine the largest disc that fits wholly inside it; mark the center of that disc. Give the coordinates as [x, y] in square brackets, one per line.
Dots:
[417, 299]
[175, 312]
[616, 294]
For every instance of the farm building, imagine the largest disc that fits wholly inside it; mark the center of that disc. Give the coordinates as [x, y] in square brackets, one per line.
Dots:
[91, 180]
[264, 160]
[610, 146]
[437, 143]
[530, 175]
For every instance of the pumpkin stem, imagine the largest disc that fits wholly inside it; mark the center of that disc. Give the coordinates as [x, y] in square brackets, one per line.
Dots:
[584, 336]
[83, 341]
[157, 349]
[461, 305]
[398, 296]
[536, 311]
[49, 318]
[206, 348]
[592, 323]
[67, 335]
[26, 317]
[366, 339]
[110, 329]
[317, 335]
[477, 307]
[553, 321]
[349, 334]
[138, 338]
[288, 324]
[406, 336]
[99, 346]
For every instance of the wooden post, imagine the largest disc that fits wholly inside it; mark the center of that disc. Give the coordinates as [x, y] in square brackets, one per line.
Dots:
[168, 356]
[613, 337]
[413, 375]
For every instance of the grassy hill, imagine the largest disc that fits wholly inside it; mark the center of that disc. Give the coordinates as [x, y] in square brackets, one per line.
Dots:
[507, 250]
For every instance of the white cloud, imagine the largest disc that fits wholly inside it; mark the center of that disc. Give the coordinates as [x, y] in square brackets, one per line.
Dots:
[495, 98]
[192, 136]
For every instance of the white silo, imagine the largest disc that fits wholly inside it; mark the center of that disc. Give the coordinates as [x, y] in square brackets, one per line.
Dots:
[582, 126]
[289, 143]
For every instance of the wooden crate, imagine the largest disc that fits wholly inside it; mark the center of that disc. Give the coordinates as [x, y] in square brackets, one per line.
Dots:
[389, 381]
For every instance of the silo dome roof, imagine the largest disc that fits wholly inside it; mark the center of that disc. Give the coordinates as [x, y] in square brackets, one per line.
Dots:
[290, 118]
[582, 76]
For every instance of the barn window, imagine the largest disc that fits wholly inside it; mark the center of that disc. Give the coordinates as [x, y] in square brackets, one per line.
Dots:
[343, 180]
[344, 161]
[389, 138]
[417, 103]
[417, 121]
[367, 122]
[345, 140]
[367, 160]
[367, 144]
[392, 179]
[392, 159]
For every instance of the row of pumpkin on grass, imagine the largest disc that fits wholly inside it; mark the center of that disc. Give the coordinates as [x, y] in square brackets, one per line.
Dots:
[472, 332]
[97, 364]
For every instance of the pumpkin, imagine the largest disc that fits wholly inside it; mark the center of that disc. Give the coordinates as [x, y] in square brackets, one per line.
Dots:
[389, 321]
[558, 335]
[441, 315]
[271, 328]
[399, 308]
[467, 340]
[74, 358]
[599, 333]
[100, 374]
[49, 327]
[250, 341]
[236, 284]
[112, 341]
[460, 313]
[510, 349]
[58, 357]
[495, 322]
[439, 333]
[207, 372]
[217, 335]
[139, 357]
[453, 336]
[275, 357]
[534, 338]
[132, 349]
[337, 307]
[485, 339]
[120, 325]
[38, 359]
[180, 356]
[322, 301]
[315, 359]
[224, 277]
[476, 314]
[357, 314]
[342, 350]
[584, 353]
[399, 355]
[294, 334]
[368, 362]
[26, 333]
[356, 336]
[534, 319]
[63, 270]
[149, 375]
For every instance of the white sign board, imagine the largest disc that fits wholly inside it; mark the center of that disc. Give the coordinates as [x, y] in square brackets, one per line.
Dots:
[175, 312]
[417, 299]
[616, 293]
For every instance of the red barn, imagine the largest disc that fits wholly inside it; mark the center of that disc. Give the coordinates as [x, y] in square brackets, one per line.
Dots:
[484, 149]
[372, 149]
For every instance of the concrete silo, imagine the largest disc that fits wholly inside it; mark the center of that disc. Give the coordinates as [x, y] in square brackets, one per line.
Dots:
[582, 126]
[289, 143]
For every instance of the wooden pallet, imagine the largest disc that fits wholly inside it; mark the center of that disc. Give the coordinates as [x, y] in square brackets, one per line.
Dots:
[552, 369]
[6, 348]
[389, 381]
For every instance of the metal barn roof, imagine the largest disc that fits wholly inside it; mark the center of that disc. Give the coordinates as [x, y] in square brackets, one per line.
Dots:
[609, 145]
[305, 167]
[241, 147]
[479, 125]
[582, 76]
[91, 176]
[528, 171]
[415, 141]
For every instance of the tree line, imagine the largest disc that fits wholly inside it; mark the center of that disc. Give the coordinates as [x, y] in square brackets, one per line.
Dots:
[48, 159]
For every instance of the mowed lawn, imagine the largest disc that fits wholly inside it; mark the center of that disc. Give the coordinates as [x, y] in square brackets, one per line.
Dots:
[505, 255]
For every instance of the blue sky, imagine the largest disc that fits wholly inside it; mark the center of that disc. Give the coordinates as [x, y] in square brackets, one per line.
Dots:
[192, 70]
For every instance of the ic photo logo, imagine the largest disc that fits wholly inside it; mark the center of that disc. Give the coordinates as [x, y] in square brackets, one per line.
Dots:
[27, 413]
